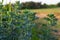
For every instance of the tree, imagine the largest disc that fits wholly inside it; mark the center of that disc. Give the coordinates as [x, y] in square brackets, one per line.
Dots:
[44, 5]
[31, 5]
[58, 4]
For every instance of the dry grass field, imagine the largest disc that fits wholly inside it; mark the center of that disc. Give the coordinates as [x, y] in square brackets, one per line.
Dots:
[43, 12]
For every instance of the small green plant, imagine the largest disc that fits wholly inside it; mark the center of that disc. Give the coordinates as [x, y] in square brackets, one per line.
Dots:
[52, 20]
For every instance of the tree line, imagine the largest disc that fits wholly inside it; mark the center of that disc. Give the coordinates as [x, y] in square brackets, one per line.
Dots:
[37, 5]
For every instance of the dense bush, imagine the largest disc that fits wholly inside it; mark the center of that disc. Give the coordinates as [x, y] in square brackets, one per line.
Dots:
[16, 26]
[58, 4]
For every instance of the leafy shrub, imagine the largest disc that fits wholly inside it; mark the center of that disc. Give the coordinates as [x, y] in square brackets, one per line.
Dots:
[52, 20]
[17, 26]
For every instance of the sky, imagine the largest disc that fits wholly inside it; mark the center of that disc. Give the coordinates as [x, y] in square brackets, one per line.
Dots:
[7, 1]
[43, 1]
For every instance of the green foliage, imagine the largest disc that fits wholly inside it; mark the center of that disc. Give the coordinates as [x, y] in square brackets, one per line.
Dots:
[37, 5]
[52, 20]
[16, 25]
[58, 4]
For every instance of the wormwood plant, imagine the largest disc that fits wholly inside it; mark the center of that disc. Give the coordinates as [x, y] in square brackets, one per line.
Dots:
[16, 26]
[51, 19]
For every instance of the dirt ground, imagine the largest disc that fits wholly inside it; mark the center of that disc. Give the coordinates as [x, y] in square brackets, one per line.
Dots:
[42, 15]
